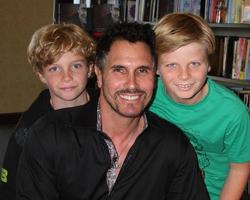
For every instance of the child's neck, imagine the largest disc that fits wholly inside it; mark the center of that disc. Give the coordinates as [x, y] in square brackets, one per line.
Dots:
[57, 103]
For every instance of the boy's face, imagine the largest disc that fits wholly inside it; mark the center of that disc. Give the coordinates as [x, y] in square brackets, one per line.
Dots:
[66, 79]
[184, 73]
[127, 80]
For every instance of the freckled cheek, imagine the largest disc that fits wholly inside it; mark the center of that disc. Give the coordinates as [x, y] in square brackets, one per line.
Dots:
[200, 74]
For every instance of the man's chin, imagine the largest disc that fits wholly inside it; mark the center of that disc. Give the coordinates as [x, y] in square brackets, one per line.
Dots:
[132, 114]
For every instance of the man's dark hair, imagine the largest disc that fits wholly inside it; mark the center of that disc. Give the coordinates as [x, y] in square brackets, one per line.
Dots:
[129, 31]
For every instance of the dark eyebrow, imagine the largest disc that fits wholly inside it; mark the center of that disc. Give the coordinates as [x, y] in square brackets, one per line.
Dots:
[117, 66]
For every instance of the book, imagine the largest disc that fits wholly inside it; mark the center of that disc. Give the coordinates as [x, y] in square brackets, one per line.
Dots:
[216, 60]
[196, 7]
[239, 58]
[131, 7]
[185, 6]
[247, 63]
[237, 11]
[212, 11]
[229, 18]
[206, 10]
[235, 71]
[245, 12]
[230, 56]
[165, 7]
[115, 10]
[68, 13]
[224, 62]
[244, 44]
[101, 18]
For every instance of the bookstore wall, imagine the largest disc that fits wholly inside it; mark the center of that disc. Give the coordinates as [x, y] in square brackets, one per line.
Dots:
[229, 19]
[19, 85]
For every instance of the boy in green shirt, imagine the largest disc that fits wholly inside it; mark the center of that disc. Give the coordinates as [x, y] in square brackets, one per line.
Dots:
[215, 120]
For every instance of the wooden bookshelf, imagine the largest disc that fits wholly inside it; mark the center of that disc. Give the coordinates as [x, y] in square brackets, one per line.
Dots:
[239, 30]
[232, 83]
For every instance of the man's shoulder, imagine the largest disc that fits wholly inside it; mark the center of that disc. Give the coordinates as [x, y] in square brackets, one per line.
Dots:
[167, 135]
[163, 126]
[159, 122]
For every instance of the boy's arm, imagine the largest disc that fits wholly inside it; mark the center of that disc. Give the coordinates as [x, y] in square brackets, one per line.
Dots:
[36, 175]
[10, 162]
[236, 181]
[9, 169]
[15, 145]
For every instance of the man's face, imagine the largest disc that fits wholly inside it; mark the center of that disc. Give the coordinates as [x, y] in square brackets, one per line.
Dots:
[127, 80]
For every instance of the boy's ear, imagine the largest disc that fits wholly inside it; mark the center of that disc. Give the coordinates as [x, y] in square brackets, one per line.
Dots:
[98, 74]
[41, 77]
[157, 72]
[209, 68]
[91, 71]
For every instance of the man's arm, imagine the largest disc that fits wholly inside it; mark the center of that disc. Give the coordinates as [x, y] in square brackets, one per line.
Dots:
[188, 183]
[236, 181]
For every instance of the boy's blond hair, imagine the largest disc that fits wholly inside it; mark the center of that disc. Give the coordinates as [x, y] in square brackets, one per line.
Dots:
[180, 29]
[51, 41]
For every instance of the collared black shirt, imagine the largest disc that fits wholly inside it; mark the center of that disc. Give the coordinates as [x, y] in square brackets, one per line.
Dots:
[65, 157]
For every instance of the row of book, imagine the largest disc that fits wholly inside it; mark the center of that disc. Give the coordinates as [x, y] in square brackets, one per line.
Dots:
[153, 10]
[104, 12]
[227, 11]
[214, 11]
[98, 14]
[231, 58]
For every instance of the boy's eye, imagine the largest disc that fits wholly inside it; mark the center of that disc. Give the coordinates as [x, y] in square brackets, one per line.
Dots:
[77, 65]
[195, 64]
[171, 65]
[53, 69]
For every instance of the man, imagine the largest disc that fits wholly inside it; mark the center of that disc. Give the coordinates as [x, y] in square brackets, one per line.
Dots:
[111, 148]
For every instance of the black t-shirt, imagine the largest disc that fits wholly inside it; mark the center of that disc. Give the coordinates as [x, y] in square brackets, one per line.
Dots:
[39, 107]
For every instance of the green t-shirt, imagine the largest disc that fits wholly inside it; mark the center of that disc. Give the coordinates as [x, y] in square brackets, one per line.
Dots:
[218, 127]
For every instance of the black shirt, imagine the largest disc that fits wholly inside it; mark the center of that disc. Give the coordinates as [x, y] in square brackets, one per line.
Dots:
[39, 107]
[65, 157]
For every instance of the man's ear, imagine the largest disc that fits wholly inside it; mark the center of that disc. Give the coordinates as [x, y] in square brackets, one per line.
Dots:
[98, 74]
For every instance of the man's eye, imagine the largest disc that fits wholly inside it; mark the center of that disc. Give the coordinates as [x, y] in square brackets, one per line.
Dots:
[143, 70]
[118, 69]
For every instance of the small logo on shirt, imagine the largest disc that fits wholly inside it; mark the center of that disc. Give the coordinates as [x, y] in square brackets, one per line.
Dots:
[4, 175]
[198, 146]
